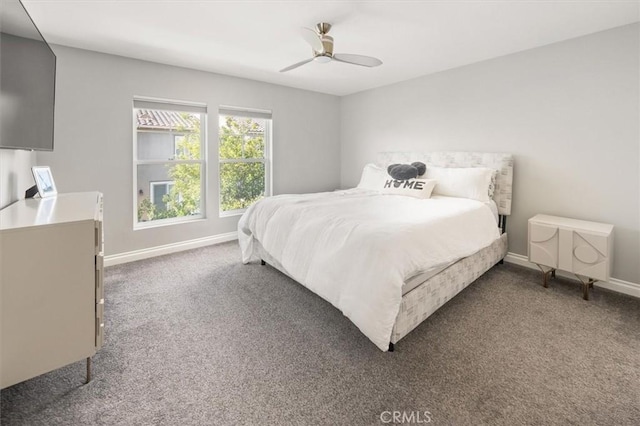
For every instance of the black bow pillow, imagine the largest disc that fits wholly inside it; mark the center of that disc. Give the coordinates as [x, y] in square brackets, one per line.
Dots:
[407, 171]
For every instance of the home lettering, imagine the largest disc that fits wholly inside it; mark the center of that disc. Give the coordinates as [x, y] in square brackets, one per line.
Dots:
[411, 184]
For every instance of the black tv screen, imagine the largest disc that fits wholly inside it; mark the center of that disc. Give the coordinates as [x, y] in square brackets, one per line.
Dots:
[27, 82]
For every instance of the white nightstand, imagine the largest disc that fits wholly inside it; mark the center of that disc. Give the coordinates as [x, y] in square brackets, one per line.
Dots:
[577, 246]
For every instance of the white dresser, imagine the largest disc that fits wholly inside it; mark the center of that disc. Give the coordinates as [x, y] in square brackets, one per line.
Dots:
[578, 246]
[51, 284]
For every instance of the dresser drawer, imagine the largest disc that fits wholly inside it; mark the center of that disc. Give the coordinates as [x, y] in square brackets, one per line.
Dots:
[99, 277]
[99, 324]
[99, 237]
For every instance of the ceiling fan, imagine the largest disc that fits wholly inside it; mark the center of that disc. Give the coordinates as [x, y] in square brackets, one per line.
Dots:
[322, 45]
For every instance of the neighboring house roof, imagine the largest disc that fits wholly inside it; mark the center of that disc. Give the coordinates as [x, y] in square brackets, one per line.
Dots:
[152, 119]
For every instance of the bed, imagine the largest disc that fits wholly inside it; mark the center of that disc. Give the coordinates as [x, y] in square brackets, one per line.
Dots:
[386, 261]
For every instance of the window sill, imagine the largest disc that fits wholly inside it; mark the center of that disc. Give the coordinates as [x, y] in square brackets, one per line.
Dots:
[167, 222]
[232, 213]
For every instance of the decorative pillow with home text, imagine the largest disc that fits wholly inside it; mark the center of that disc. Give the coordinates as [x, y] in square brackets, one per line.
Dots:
[418, 188]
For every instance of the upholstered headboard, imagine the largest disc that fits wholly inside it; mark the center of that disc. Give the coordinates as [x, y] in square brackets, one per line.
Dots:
[503, 163]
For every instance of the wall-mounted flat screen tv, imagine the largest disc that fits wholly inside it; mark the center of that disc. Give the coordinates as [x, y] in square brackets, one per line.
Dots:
[27, 81]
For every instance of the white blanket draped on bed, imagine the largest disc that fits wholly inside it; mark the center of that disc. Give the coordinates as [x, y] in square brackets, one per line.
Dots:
[355, 248]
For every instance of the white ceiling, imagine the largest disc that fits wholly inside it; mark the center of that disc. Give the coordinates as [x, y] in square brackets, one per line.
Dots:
[255, 39]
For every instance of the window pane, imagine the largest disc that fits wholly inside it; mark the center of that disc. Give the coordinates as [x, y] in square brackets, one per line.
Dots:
[168, 135]
[168, 190]
[241, 184]
[241, 137]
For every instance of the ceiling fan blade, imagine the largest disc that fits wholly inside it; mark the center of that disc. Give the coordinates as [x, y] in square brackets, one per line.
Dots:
[365, 61]
[312, 37]
[290, 67]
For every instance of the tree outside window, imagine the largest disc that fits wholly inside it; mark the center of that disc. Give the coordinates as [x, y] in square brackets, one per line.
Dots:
[243, 154]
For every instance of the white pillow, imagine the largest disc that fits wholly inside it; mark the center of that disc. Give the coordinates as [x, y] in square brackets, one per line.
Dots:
[418, 188]
[463, 182]
[373, 177]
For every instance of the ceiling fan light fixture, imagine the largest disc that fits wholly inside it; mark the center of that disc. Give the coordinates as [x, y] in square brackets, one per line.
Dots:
[322, 59]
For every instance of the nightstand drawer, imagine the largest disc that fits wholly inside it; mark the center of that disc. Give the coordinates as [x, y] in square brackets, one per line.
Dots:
[591, 255]
[543, 244]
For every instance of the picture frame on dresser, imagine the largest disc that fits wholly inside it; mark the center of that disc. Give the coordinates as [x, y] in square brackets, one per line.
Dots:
[44, 181]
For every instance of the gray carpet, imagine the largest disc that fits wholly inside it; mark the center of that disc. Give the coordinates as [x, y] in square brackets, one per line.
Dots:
[198, 338]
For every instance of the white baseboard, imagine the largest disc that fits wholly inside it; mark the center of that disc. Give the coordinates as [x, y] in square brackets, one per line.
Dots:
[614, 284]
[130, 256]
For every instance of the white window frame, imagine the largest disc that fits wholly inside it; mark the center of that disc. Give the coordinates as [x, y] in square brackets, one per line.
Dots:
[266, 160]
[179, 106]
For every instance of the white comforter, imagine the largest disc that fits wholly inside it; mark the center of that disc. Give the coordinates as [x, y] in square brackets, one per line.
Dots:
[355, 248]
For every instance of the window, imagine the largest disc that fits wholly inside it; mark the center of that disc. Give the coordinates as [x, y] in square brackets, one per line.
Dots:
[169, 162]
[158, 191]
[244, 155]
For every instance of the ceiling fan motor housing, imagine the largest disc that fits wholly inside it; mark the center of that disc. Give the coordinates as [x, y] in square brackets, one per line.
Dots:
[327, 44]
[327, 41]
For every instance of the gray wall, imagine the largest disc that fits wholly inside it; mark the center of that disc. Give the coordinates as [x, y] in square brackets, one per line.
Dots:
[15, 174]
[94, 131]
[568, 112]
